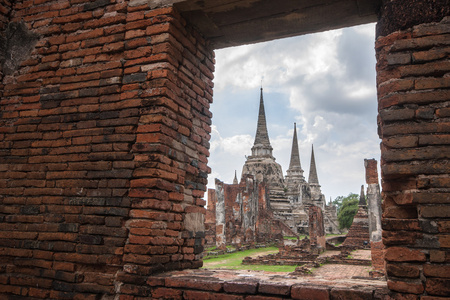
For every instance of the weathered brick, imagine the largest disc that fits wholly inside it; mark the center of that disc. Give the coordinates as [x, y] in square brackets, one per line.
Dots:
[435, 211]
[412, 286]
[310, 292]
[274, 289]
[403, 270]
[438, 286]
[191, 283]
[403, 254]
[166, 293]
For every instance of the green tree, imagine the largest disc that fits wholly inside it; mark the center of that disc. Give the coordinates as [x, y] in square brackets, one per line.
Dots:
[347, 210]
[338, 202]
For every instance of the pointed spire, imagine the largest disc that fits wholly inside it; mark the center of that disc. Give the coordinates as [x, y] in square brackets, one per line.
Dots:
[362, 197]
[262, 136]
[261, 146]
[312, 169]
[295, 155]
[235, 180]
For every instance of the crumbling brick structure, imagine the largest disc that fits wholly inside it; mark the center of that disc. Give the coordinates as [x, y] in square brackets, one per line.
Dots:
[238, 214]
[104, 141]
[358, 234]
[316, 228]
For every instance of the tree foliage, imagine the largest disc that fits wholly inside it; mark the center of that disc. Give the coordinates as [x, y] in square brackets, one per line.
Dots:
[347, 208]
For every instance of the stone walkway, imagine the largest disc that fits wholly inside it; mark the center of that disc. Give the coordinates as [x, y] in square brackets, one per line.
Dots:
[338, 271]
[332, 271]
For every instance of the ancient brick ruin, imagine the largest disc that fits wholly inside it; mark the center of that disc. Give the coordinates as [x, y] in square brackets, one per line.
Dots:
[238, 215]
[358, 233]
[104, 142]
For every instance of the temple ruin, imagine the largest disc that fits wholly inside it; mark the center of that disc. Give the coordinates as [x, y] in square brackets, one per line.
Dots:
[263, 196]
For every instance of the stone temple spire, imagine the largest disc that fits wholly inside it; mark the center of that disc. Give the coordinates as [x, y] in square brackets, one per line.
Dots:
[235, 180]
[295, 155]
[261, 146]
[294, 180]
[313, 179]
[261, 164]
[295, 167]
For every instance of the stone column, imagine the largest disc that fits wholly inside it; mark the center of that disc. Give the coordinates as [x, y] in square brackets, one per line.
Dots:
[220, 216]
[374, 206]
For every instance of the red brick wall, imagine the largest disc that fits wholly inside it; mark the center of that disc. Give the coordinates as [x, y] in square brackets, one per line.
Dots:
[5, 9]
[103, 148]
[413, 93]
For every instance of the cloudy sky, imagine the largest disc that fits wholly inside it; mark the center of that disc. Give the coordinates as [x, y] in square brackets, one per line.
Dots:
[324, 82]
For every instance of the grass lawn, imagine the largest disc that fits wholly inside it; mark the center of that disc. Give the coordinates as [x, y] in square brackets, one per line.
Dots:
[233, 261]
[301, 237]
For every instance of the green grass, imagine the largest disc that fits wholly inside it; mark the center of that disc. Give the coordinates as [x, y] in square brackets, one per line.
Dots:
[237, 257]
[301, 237]
[233, 261]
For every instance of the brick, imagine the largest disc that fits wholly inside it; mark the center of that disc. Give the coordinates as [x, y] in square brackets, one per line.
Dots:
[435, 270]
[258, 297]
[438, 286]
[444, 241]
[412, 286]
[194, 295]
[421, 97]
[435, 211]
[432, 298]
[192, 283]
[410, 271]
[403, 169]
[397, 225]
[240, 287]
[398, 58]
[166, 293]
[431, 83]
[430, 55]
[403, 254]
[274, 289]
[302, 292]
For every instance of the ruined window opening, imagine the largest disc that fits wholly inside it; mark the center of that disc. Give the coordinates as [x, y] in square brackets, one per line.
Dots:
[358, 86]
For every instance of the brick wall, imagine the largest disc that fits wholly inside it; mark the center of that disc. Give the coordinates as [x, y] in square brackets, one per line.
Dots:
[413, 92]
[5, 9]
[104, 141]
[218, 285]
[103, 148]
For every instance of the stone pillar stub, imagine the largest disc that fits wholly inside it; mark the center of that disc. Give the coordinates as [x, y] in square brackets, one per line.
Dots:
[374, 209]
[371, 170]
[316, 228]
[373, 199]
[220, 216]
